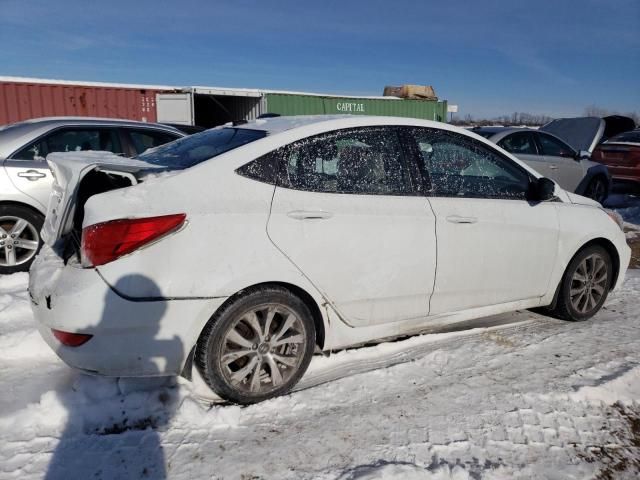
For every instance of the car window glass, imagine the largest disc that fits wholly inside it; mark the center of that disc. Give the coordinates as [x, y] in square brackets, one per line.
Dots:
[361, 161]
[459, 166]
[519, 143]
[189, 151]
[71, 140]
[553, 147]
[144, 139]
[34, 151]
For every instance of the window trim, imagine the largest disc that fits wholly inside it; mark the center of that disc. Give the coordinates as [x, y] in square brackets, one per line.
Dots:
[427, 185]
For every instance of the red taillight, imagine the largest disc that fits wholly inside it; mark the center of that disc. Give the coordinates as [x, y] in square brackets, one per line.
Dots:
[104, 242]
[71, 339]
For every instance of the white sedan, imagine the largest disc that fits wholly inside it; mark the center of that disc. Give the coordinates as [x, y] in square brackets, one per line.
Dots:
[242, 250]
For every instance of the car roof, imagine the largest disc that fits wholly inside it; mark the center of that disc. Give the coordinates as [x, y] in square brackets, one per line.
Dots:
[273, 125]
[496, 129]
[16, 135]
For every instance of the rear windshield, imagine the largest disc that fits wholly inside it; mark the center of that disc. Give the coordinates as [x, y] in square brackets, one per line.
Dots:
[633, 137]
[189, 151]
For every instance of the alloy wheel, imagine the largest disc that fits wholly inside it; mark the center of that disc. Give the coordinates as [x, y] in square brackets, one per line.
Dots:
[19, 241]
[589, 283]
[262, 349]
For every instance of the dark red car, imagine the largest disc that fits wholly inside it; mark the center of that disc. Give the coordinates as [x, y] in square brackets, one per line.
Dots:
[621, 153]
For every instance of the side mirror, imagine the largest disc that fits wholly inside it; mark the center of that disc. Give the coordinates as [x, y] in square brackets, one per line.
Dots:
[543, 189]
[582, 155]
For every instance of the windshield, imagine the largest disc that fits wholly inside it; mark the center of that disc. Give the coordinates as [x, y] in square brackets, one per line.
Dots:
[189, 151]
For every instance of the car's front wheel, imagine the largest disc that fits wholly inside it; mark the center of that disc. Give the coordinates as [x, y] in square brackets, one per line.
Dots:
[597, 189]
[19, 238]
[585, 285]
[258, 346]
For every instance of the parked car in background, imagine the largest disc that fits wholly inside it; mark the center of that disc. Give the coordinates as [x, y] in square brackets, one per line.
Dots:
[188, 129]
[25, 178]
[269, 240]
[621, 154]
[583, 134]
[553, 158]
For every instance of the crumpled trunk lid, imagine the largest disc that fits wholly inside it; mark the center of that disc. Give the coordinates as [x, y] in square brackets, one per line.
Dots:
[69, 170]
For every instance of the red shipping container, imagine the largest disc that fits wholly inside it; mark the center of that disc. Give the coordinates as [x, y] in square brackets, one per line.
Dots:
[22, 99]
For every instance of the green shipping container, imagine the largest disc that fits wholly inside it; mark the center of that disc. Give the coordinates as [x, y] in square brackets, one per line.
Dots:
[291, 104]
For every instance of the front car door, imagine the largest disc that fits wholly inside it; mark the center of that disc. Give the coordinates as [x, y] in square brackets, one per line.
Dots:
[561, 158]
[494, 246]
[345, 213]
[28, 169]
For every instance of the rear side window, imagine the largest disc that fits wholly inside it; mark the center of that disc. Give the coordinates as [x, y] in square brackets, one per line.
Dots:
[71, 140]
[519, 143]
[142, 140]
[458, 166]
[553, 147]
[188, 151]
[360, 161]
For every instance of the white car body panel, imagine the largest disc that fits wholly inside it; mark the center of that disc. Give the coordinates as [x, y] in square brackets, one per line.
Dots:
[378, 252]
[477, 261]
[237, 230]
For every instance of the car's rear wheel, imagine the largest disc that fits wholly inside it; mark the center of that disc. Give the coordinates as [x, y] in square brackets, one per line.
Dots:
[585, 284]
[258, 346]
[19, 238]
[597, 190]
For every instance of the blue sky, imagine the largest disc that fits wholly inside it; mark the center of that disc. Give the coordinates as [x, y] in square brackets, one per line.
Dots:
[491, 57]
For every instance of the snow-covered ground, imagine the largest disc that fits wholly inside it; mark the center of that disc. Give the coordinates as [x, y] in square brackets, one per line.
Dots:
[520, 396]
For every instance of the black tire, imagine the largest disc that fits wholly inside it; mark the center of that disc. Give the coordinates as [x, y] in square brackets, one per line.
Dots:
[597, 189]
[272, 378]
[568, 307]
[22, 258]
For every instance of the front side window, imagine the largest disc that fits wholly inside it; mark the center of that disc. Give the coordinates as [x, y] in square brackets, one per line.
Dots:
[458, 166]
[553, 147]
[519, 143]
[71, 140]
[188, 151]
[366, 160]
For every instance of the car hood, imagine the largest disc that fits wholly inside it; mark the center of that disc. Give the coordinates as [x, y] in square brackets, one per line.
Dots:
[68, 170]
[584, 133]
[580, 200]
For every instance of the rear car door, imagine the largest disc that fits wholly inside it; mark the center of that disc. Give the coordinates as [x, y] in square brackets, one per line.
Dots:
[494, 246]
[345, 213]
[561, 158]
[28, 169]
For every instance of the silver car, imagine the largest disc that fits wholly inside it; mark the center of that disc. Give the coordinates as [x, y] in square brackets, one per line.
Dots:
[25, 179]
[553, 158]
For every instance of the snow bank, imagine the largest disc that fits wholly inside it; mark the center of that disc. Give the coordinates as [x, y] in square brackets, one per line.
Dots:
[623, 388]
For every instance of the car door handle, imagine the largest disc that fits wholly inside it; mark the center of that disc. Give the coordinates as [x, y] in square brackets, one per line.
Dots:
[458, 219]
[32, 175]
[553, 167]
[309, 214]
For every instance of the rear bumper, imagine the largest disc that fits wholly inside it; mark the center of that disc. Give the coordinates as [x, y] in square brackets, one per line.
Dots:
[130, 337]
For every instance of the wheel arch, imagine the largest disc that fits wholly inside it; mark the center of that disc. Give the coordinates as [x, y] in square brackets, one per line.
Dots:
[611, 250]
[306, 297]
[13, 203]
